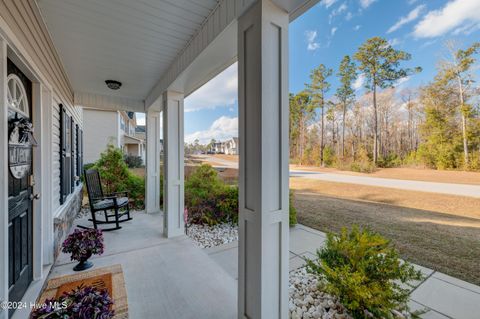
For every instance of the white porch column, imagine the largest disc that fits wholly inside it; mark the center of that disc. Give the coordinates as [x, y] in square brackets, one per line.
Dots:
[152, 162]
[174, 171]
[263, 181]
[3, 179]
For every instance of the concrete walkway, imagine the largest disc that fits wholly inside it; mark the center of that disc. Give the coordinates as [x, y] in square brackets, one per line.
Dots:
[165, 278]
[431, 187]
[440, 295]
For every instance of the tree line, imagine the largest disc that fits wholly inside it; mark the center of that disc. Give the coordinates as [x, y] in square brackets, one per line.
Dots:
[436, 125]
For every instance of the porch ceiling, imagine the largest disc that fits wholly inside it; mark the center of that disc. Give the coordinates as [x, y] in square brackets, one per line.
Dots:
[148, 45]
[130, 41]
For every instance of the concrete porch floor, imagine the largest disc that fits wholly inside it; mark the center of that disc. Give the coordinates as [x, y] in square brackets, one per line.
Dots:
[164, 278]
[173, 278]
[441, 295]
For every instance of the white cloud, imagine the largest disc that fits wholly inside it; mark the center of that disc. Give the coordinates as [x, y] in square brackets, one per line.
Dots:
[311, 36]
[332, 32]
[402, 81]
[349, 16]
[413, 15]
[410, 2]
[359, 82]
[467, 29]
[342, 8]
[357, 27]
[338, 11]
[366, 3]
[395, 41]
[328, 3]
[454, 14]
[221, 129]
[221, 91]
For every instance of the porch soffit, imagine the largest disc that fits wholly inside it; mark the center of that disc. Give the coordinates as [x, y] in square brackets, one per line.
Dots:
[148, 45]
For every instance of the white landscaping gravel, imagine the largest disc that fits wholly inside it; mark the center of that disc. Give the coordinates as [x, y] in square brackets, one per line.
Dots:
[210, 236]
[306, 301]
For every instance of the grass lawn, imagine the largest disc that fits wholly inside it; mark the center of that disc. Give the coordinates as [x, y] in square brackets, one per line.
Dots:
[441, 232]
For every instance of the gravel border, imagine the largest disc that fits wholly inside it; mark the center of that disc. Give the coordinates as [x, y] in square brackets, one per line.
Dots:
[210, 236]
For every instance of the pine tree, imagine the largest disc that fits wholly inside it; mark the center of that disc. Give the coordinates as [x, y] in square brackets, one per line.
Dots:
[347, 73]
[318, 87]
[380, 63]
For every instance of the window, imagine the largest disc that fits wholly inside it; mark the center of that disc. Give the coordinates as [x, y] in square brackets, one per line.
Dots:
[122, 123]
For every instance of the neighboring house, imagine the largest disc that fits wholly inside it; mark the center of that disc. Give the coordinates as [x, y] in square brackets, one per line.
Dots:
[111, 127]
[229, 147]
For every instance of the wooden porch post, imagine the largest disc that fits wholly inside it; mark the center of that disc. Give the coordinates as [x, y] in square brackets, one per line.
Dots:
[152, 159]
[174, 164]
[263, 182]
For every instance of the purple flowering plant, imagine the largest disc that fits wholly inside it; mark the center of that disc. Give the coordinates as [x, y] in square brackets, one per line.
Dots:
[81, 244]
[81, 303]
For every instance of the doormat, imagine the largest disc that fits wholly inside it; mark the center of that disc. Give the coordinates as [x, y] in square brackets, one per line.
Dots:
[110, 278]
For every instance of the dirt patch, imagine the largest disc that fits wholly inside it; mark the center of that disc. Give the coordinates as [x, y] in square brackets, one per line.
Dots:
[413, 174]
[445, 242]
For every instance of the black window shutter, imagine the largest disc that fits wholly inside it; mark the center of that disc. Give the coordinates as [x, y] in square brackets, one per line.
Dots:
[81, 152]
[77, 149]
[72, 155]
[62, 147]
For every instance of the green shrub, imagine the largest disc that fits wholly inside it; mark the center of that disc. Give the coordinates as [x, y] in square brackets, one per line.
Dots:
[365, 272]
[117, 178]
[211, 201]
[208, 199]
[133, 161]
[227, 203]
[389, 161]
[292, 213]
[328, 156]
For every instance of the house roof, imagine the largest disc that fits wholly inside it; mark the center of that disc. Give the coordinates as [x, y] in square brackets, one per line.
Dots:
[140, 129]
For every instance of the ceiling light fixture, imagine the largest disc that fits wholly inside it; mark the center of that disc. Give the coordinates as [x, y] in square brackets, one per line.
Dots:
[113, 85]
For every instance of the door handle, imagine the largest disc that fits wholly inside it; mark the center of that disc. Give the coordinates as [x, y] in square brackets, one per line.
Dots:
[36, 196]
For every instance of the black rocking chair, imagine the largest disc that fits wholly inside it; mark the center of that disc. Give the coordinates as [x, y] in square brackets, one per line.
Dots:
[110, 202]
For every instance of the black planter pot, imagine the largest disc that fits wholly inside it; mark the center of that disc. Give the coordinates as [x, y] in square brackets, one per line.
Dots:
[84, 264]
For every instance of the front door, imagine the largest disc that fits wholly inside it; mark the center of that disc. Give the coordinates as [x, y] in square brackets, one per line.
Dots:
[19, 97]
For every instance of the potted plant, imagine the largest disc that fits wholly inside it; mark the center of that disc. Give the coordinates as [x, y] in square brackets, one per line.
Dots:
[81, 303]
[82, 244]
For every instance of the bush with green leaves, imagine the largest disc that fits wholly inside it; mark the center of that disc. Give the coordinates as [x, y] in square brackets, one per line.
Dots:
[365, 272]
[209, 200]
[133, 161]
[116, 177]
[292, 212]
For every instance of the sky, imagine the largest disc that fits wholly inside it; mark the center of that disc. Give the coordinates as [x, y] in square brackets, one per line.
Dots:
[332, 29]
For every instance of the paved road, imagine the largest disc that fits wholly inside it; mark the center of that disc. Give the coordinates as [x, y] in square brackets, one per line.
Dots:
[431, 187]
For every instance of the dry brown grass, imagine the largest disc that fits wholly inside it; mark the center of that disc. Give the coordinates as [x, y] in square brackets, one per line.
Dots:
[138, 171]
[447, 240]
[232, 158]
[448, 204]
